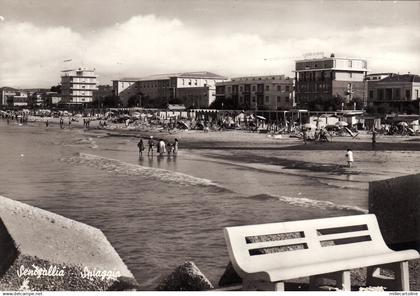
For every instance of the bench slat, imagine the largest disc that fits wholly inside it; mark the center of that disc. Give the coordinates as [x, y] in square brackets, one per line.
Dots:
[344, 235]
[278, 243]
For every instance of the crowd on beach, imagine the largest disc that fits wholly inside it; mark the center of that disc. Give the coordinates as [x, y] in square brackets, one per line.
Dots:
[162, 147]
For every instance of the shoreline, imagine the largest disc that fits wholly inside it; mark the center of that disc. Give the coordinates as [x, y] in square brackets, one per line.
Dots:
[240, 139]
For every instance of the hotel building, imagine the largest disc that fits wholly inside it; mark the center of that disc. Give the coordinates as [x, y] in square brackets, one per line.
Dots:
[194, 89]
[271, 92]
[77, 86]
[326, 78]
[396, 90]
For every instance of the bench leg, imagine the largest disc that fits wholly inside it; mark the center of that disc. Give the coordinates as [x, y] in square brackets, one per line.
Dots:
[399, 282]
[342, 279]
[249, 285]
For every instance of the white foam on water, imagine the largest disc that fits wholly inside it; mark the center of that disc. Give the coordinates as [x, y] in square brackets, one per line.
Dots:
[323, 204]
[116, 166]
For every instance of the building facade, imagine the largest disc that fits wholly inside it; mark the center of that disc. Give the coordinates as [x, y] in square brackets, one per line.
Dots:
[193, 89]
[328, 78]
[77, 86]
[395, 90]
[272, 92]
[11, 97]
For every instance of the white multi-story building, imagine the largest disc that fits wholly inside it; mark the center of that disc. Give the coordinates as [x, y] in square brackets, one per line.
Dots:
[77, 86]
[325, 78]
[12, 97]
[194, 89]
[269, 92]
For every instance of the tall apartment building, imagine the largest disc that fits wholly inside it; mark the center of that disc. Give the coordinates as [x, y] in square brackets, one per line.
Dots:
[194, 89]
[396, 90]
[77, 86]
[273, 92]
[323, 79]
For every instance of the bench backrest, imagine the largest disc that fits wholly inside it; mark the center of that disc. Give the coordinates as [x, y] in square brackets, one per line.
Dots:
[264, 247]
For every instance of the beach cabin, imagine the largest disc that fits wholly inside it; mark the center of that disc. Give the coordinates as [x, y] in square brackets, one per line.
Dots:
[323, 120]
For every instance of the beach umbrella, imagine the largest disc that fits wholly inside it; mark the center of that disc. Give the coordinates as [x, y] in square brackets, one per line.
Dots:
[342, 123]
[261, 117]
[182, 124]
[402, 123]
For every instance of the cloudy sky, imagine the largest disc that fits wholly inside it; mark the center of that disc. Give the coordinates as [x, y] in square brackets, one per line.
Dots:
[134, 38]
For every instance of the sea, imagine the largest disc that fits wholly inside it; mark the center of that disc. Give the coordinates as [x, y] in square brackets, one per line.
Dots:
[159, 212]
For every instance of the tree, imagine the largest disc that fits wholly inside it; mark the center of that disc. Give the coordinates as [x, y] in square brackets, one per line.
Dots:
[111, 101]
[384, 109]
[176, 101]
[56, 88]
[223, 103]
[411, 109]
[134, 101]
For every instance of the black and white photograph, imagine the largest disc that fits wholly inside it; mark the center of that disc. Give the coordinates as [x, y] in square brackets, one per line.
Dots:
[209, 146]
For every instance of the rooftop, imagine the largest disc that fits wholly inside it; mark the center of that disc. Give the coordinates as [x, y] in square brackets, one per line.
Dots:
[329, 58]
[7, 88]
[202, 74]
[402, 78]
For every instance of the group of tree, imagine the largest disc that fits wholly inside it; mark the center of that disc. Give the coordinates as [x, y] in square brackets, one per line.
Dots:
[387, 108]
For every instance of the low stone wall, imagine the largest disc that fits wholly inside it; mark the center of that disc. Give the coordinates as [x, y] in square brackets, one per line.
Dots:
[396, 204]
[44, 251]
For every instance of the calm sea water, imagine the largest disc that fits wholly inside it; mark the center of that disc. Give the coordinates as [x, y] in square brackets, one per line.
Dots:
[160, 212]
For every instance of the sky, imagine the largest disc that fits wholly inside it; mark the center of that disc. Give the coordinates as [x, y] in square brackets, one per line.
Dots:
[135, 38]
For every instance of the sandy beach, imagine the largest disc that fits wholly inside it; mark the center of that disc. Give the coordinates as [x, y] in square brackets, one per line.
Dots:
[257, 177]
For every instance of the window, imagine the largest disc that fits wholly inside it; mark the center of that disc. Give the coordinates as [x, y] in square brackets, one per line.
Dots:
[371, 94]
[380, 94]
[407, 94]
[253, 88]
[278, 87]
[278, 99]
[388, 94]
[267, 99]
[240, 88]
[397, 94]
[267, 87]
[253, 99]
[287, 87]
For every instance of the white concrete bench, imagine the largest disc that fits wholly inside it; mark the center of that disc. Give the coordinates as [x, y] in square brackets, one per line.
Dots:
[266, 255]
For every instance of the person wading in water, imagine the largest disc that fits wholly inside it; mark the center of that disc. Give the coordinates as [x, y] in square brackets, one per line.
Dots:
[150, 144]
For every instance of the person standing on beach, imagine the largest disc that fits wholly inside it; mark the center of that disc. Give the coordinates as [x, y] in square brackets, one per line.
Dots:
[349, 156]
[150, 144]
[373, 138]
[175, 147]
[46, 123]
[162, 147]
[140, 145]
